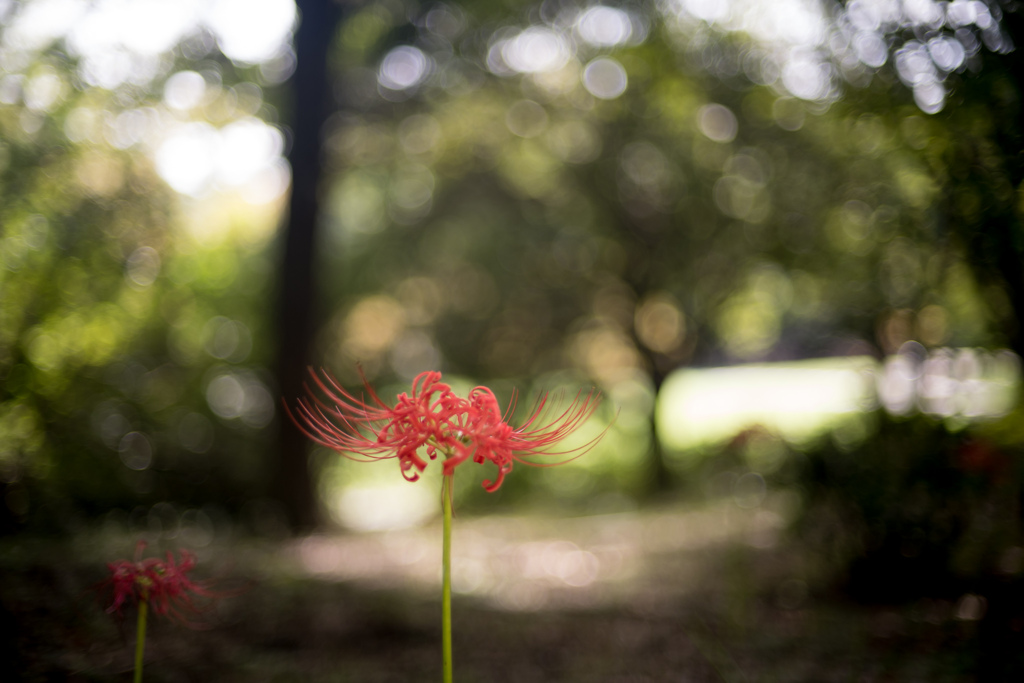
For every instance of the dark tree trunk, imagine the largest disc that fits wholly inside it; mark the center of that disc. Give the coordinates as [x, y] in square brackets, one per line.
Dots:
[296, 316]
[1009, 137]
[995, 240]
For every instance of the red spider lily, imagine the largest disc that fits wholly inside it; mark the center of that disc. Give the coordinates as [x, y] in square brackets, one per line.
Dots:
[494, 440]
[164, 584]
[373, 430]
[435, 420]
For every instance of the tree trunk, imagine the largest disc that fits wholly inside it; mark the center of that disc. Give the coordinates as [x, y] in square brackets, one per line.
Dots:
[296, 316]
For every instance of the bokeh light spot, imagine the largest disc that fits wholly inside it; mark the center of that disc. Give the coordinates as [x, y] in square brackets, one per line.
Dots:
[403, 68]
[247, 146]
[660, 325]
[717, 122]
[870, 48]
[136, 451]
[536, 50]
[805, 75]
[187, 158]
[184, 90]
[604, 26]
[142, 267]
[251, 31]
[605, 78]
[526, 118]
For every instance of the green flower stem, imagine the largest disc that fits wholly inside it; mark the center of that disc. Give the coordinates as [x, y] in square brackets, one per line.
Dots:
[446, 580]
[140, 638]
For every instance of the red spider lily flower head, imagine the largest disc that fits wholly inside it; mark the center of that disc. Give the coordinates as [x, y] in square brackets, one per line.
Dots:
[164, 584]
[494, 440]
[371, 430]
[431, 420]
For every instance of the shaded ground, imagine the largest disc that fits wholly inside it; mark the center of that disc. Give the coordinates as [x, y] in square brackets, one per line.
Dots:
[708, 594]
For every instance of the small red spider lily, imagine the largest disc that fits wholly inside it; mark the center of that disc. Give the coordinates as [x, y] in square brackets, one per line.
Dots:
[163, 584]
[433, 420]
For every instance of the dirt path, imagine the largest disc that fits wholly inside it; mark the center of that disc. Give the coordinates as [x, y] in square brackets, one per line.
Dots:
[682, 594]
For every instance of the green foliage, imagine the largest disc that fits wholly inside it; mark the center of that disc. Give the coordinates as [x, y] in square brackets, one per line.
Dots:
[799, 231]
[114, 322]
[507, 225]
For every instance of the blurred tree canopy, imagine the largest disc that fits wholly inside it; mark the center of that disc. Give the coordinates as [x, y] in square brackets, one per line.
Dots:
[525, 194]
[133, 339]
[622, 190]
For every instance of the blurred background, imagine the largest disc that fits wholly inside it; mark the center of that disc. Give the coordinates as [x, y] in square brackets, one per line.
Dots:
[783, 239]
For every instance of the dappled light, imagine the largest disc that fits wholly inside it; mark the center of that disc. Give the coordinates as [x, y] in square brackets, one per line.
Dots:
[950, 383]
[798, 399]
[804, 399]
[804, 51]
[525, 564]
[383, 507]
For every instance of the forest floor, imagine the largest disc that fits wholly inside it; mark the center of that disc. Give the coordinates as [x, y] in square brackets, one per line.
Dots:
[686, 594]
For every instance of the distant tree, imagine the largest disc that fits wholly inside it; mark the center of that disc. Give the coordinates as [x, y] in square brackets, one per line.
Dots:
[298, 301]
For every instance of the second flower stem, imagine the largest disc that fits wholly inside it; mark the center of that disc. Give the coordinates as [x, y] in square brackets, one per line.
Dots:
[446, 579]
[140, 638]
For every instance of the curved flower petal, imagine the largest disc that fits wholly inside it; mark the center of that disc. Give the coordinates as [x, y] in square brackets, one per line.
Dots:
[431, 419]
